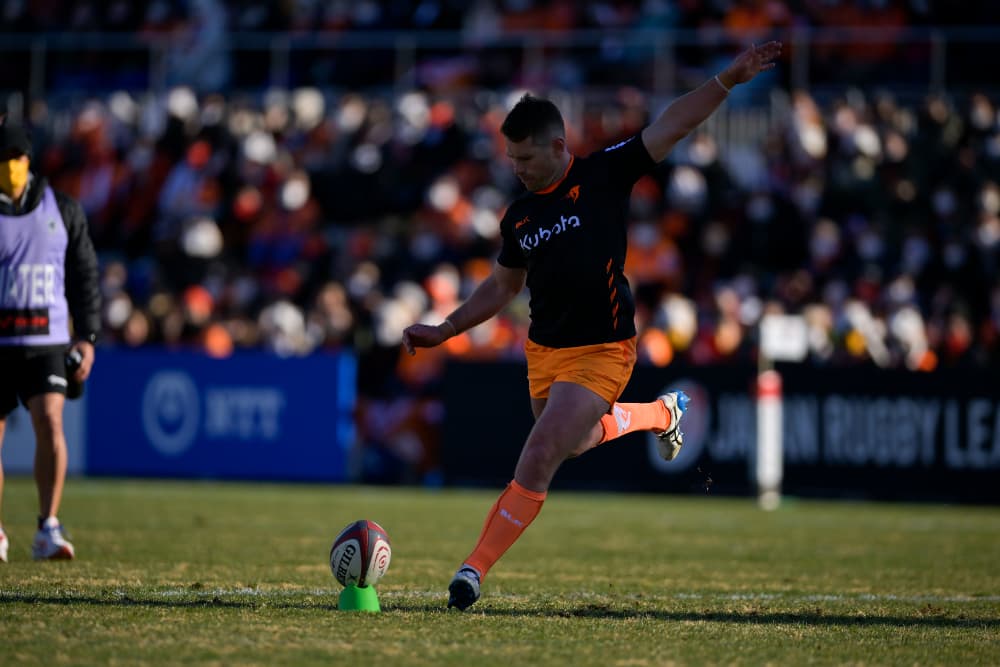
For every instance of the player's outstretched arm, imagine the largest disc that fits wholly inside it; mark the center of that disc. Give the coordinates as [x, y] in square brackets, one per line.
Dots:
[487, 300]
[688, 111]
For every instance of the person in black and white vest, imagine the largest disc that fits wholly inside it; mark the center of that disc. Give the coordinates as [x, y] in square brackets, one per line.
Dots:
[48, 280]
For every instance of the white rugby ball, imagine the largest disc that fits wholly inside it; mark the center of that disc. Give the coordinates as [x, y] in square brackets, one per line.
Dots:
[360, 555]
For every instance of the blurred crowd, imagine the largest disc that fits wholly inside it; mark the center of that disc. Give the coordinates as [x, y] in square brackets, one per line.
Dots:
[306, 223]
[313, 217]
[309, 221]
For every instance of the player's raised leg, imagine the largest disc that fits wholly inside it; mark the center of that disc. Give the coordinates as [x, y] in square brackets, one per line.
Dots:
[662, 417]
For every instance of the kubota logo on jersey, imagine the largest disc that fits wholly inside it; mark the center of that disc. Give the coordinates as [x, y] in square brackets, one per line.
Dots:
[574, 193]
[522, 222]
[530, 241]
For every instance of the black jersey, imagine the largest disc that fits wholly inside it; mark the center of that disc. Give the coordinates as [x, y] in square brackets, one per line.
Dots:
[572, 238]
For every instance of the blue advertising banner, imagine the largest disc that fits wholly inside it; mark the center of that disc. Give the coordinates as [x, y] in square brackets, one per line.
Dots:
[255, 416]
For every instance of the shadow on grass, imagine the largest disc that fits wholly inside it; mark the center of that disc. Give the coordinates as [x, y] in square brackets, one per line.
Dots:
[126, 600]
[922, 618]
[927, 616]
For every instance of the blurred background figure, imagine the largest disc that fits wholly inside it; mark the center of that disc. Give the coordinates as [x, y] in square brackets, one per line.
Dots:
[49, 321]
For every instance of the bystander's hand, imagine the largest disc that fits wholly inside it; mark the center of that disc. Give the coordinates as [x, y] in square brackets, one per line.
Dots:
[87, 361]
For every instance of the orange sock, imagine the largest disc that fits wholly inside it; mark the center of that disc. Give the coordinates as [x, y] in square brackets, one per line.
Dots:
[513, 511]
[629, 417]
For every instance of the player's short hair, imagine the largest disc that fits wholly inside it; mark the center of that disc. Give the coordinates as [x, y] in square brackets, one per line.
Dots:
[533, 117]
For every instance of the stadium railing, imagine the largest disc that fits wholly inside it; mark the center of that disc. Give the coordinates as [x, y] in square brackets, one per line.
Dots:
[928, 58]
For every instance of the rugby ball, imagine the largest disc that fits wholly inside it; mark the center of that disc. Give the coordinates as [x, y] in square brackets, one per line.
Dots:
[360, 555]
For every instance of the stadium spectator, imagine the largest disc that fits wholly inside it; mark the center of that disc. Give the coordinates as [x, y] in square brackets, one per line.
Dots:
[48, 275]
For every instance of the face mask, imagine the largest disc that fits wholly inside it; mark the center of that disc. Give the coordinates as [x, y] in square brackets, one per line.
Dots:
[13, 176]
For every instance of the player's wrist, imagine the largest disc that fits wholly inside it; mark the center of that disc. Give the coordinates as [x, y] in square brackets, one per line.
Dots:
[725, 81]
[448, 328]
[87, 338]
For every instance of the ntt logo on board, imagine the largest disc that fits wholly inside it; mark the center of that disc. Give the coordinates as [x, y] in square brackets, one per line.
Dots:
[171, 412]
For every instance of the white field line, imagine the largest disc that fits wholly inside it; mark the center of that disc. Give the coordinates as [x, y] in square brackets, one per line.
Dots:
[332, 593]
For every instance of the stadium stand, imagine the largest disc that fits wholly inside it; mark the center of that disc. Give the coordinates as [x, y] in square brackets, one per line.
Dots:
[326, 214]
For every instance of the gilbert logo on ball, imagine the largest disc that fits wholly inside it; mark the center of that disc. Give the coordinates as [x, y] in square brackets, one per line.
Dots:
[360, 555]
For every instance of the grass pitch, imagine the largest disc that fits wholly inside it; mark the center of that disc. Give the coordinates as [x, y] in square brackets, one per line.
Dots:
[237, 574]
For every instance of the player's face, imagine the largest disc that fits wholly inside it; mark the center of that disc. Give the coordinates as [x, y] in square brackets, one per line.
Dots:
[536, 165]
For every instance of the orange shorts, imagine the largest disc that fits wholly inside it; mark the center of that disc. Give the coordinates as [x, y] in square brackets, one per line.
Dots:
[604, 369]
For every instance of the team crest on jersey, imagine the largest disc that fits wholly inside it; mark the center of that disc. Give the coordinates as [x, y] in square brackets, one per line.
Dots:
[574, 193]
[522, 222]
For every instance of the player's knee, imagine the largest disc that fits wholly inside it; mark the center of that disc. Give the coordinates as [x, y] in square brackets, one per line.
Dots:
[580, 450]
[541, 453]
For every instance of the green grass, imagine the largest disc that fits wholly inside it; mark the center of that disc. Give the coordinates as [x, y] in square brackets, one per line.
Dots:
[171, 572]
